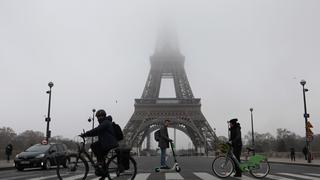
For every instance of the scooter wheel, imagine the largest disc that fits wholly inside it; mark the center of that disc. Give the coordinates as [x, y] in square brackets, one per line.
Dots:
[178, 169]
[157, 169]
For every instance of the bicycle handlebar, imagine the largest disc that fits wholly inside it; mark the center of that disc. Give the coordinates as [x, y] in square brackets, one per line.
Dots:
[83, 143]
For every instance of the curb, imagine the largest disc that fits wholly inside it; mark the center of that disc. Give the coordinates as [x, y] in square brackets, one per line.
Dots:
[6, 168]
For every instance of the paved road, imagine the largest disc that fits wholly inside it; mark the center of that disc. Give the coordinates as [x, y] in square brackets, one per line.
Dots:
[193, 168]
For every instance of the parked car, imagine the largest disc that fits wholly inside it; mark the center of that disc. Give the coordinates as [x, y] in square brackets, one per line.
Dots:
[41, 155]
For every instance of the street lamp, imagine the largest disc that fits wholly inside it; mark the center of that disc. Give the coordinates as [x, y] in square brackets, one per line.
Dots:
[92, 119]
[251, 109]
[48, 119]
[306, 116]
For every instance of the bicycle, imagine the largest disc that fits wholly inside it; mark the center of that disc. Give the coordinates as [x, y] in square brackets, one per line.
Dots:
[77, 166]
[224, 165]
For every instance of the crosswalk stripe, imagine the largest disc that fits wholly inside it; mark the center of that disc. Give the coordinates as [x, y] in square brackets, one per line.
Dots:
[277, 177]
[178, 176]
[247, 177]
[43, 177]
[296, 175]
[18, 176]
[171, 176]
[313, 174]
[94, 177]
[97, 178]
[205, 176]
[142, 176]
[75, 177]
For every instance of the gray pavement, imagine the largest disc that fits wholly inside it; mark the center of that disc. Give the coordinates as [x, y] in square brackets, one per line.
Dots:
[4, 165]
[315, 162]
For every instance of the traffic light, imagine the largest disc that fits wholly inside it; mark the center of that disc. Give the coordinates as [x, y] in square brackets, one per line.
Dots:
[309, 132]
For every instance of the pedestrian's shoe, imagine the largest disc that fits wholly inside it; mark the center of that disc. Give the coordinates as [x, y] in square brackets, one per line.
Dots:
[121, 168]
[165, 167]
[99, 170]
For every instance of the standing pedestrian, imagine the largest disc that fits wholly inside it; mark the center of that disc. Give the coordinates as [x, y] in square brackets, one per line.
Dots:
[9, 149]
[164, 144]
[292, 154]
[305, 152]
[236, 142]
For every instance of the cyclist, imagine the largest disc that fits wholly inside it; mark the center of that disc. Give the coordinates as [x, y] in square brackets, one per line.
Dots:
[236, 142]
[106, 139]
[164, 144]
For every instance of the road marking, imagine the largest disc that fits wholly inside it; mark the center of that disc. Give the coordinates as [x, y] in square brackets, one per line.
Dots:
[296, 175]
[19, 176]
[97, 178]
[142, 176]
[173, 176]
[43, 177]
[312, 174]
[246, 177]
[277, 177]
[205, 176]
[75, 177]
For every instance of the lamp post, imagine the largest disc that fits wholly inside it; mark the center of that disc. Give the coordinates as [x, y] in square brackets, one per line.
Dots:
[252, 132]
[48, 119]
[89, 120]
[306, 116]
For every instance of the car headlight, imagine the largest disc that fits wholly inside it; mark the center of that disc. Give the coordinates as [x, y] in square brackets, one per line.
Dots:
[17, 156]
[40, 156]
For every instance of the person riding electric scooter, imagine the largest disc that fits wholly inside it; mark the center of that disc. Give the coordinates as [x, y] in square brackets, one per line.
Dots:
[164, 140]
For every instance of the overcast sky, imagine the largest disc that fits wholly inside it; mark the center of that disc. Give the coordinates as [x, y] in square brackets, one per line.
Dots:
[239, 54]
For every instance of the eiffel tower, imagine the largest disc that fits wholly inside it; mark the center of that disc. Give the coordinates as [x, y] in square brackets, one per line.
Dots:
[184, 111]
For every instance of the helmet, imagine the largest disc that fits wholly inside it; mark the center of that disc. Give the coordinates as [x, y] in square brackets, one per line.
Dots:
[100, 113]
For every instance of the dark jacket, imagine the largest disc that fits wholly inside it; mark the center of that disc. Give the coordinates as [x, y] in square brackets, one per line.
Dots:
[9, 149]
[235, 136]
[164, 138]
[105, 133]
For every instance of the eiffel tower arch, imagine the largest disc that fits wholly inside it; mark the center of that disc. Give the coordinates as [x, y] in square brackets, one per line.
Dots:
[184, 111]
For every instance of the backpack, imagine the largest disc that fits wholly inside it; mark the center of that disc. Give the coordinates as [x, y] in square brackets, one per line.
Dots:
[157, 135]
[117, 131]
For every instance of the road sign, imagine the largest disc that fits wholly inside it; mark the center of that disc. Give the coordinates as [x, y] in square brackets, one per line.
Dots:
[309, 133]
[309, 125]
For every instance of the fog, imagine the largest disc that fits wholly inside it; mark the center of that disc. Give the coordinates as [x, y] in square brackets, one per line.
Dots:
[239, 55]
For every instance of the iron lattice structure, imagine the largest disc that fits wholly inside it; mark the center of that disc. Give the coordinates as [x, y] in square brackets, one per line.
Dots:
[184, 110]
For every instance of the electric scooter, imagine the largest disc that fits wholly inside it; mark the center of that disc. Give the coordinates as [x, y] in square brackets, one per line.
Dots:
[175, 167]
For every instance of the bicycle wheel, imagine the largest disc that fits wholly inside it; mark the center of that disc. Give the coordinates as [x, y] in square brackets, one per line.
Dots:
[222, 166]
[75, 167]
[260, 171]
[118, 171]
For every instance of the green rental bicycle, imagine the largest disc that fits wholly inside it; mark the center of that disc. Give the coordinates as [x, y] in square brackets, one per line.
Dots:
[224, 165]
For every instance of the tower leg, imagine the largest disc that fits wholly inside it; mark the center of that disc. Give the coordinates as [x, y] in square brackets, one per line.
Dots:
[148, 142]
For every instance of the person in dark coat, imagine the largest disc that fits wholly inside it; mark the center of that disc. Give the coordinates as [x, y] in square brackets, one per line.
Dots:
[164, 144]
[236, 142]
[305, 152]
[9, 149]
[292, 154]
[106, 138]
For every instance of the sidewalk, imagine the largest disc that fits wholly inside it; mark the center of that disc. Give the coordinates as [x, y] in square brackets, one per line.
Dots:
[6, 165]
